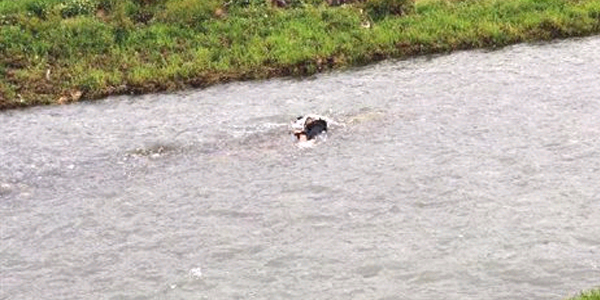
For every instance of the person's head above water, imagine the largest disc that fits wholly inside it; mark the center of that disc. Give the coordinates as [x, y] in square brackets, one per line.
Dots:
[309, 127]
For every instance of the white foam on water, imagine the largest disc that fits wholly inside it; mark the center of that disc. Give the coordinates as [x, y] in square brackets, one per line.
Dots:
[195, 273]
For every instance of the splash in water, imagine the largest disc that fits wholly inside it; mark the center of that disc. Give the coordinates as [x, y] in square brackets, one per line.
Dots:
[310, 129]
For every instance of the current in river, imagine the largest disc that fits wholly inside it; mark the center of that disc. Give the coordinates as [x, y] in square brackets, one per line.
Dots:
[473, 175]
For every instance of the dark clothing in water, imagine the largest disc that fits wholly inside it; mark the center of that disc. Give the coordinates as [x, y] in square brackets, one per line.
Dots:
[315, 128]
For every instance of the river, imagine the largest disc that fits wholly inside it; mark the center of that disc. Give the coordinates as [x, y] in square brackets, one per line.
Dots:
[473, 175]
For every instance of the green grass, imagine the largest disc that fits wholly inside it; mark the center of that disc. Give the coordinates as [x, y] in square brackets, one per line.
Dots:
[59, 51]
[590, 295]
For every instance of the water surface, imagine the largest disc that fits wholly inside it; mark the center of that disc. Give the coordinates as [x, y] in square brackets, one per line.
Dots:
[466, 176]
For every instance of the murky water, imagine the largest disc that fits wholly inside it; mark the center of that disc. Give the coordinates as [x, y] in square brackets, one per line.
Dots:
[474, 175]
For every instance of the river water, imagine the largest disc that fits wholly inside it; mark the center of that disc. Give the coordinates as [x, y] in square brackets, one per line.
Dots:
[474, 175]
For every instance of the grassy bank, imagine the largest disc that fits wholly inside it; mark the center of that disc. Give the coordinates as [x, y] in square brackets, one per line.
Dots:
[591, 295]
[59, 51]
